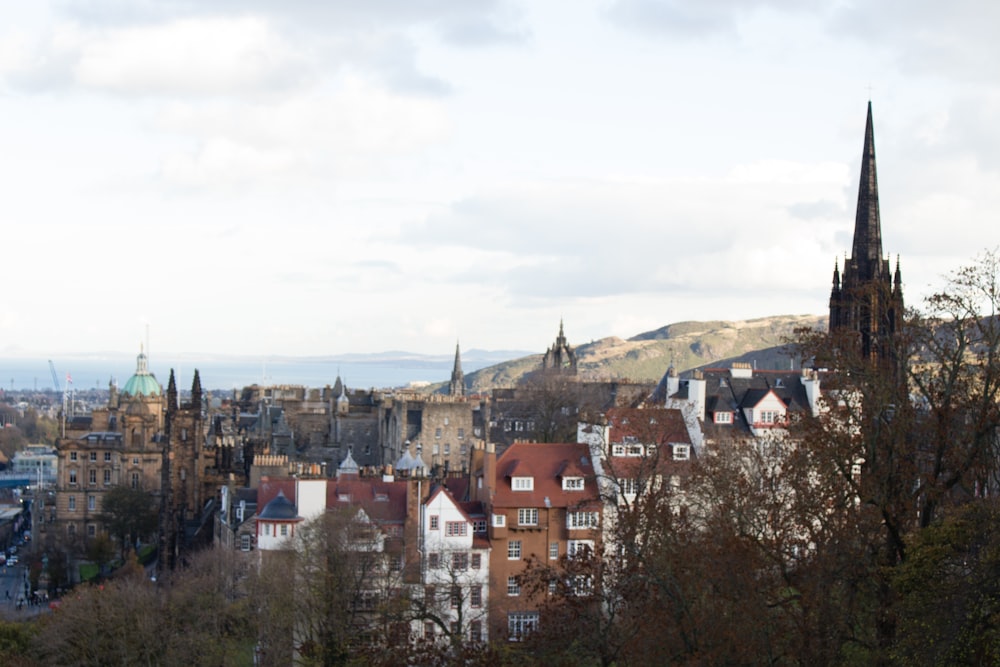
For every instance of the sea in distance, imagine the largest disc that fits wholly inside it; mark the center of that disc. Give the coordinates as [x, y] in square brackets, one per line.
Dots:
[379, 371]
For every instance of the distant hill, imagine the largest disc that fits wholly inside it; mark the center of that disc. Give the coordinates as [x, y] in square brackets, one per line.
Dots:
[646, 357]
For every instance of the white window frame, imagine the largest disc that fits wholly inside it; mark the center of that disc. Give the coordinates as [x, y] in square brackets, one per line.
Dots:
[522, 483]
[513, 588]
[499, 520]
[572, 483]
[527, 516]
[514, 550]
[724, 417]
[682, 452]
[582, 520]
[576, 548]
[521, 624]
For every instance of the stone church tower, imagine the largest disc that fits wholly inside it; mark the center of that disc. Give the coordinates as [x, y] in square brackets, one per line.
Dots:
[868, 298]
[560, 358]
[184, 488]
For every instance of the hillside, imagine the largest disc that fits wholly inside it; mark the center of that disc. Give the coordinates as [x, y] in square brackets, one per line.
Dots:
[647, 356]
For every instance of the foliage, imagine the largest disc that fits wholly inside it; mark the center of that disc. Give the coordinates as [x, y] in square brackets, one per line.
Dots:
[129, 515]
[198, 618]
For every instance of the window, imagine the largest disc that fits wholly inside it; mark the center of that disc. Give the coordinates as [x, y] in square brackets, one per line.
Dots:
[447, 449]
[72, 477]
[513, 588]
[579, 548]
[107, 457]
[477, 561]
[107, 477]
[135, 480]
[456, 597]
[91, 530]
[429, 631]
[768, 417]
[71, 503]
[93, 457]
[436, 449]
[476, 631]
[72, 456]
[521, 624]
[461, 433]
[91, 503]
[284, 530]
[267, 529]
[135, 460]
[459, 561]
[630, 486]
[514, 550]
[93, 476]
[522, 483]
[617, 450]
[553, 550]
[433, 561]
[577, 520]
[633, 450]
[446, 421]
[527, 516]
[572, 483]
[434, 522]
[682, 452]
[499, 520]
[437, 432]
[479, 525]
[476, 596]
[455, 528]
[723, 417]
[429, 595]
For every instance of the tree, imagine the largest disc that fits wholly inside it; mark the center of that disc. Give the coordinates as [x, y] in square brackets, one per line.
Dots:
[912, 433]
[129, 514]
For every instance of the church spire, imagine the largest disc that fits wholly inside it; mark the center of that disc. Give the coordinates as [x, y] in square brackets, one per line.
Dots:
[457, 386]
[867, 248]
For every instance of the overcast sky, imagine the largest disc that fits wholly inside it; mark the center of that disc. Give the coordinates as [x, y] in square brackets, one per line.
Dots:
[322, 177]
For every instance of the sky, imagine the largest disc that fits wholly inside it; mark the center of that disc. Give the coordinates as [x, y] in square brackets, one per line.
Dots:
[320, 178]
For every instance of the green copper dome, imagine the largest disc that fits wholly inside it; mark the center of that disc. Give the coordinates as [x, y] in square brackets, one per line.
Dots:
[143, 383]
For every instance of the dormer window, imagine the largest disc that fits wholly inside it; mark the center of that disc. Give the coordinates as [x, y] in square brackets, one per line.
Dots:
[682, 452]
[634, 450]
[723, 417]
[572, 484]
[617, 450]
[522, 483]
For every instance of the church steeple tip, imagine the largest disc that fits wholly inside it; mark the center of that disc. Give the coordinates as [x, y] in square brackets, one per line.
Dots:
[867, 247]
[457, 385]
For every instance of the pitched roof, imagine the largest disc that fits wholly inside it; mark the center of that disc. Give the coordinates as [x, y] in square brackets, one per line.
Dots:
[546, 463]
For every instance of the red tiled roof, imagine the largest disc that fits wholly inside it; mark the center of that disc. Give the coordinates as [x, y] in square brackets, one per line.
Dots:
[383, 502]
[546, 463]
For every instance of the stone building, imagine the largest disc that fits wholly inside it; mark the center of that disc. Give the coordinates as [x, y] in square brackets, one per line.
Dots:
[868, 298]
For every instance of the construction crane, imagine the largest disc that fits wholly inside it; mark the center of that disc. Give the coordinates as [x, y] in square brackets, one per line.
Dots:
[55, 376]
[55, 381]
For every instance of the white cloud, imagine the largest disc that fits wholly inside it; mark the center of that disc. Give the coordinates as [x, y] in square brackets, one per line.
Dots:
[207, 56]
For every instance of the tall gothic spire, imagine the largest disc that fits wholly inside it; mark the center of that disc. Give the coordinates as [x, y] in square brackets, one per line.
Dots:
[867, 297]
[457, 386]
[867, 248]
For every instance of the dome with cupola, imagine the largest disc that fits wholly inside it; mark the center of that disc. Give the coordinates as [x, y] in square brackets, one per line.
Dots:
[143, 383]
